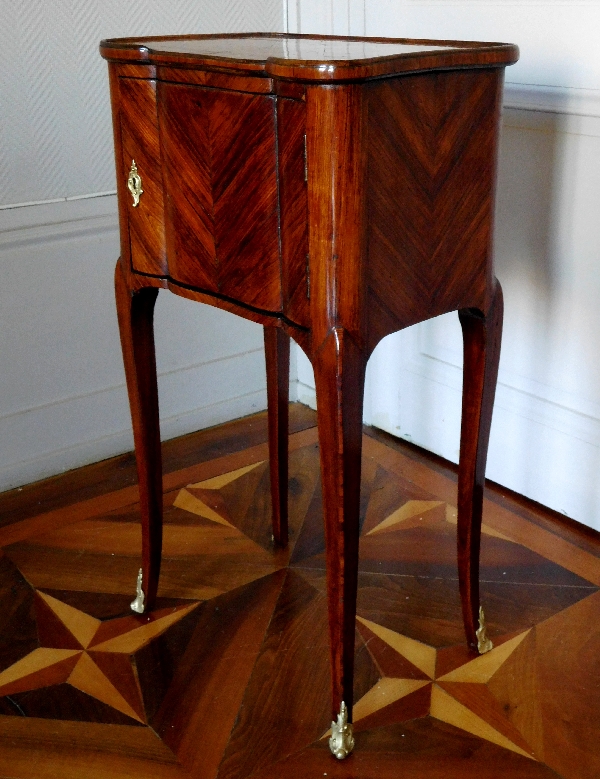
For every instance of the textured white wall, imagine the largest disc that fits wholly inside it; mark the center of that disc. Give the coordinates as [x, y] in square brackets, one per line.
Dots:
[55, 132]
[62, 392]
[545, 440]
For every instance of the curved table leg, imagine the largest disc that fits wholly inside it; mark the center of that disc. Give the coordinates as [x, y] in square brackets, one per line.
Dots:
[135, 312]
[277, 357]
[339, 368]
[482, 336]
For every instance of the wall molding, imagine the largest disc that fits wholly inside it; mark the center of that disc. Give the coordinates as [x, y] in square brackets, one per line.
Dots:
[551, 99]
[517, 395]
[21, 225]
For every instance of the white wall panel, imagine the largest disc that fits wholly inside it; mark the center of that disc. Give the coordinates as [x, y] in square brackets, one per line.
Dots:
[558, 39]
[545, 440]
[63, 401]
[326, 17]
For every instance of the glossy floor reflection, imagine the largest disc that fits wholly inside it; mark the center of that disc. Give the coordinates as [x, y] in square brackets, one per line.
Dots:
[228, 678]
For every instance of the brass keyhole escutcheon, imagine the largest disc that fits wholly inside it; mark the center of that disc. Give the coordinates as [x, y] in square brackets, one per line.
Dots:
[134, 183]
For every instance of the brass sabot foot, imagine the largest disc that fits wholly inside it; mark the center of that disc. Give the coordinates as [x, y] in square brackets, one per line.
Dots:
[137, 604]
[483, 642]
[341, 742]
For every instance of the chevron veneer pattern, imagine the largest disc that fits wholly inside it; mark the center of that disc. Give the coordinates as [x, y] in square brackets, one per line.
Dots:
[219, 152]
[429, 195]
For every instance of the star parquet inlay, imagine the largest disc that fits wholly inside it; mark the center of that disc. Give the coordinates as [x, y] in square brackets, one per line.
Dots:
[92, 656]
[228, 677]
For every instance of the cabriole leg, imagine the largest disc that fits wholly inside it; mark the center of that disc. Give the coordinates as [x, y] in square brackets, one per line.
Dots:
[339, 368]
[277, 357]
[135, 312]
[482, 336]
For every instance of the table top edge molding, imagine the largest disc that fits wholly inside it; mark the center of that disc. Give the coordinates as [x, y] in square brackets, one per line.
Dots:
[255, 53]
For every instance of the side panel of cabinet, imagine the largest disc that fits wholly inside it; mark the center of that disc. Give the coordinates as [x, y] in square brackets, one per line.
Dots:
[219, 150]
[291, 128]
[140, 143]
[432, 147]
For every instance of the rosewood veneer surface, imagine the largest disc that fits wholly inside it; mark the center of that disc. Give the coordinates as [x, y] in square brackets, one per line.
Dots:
[335, 190]
[229, 675]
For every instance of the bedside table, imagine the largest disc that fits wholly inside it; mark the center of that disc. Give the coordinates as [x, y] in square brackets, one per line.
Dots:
[335, 190]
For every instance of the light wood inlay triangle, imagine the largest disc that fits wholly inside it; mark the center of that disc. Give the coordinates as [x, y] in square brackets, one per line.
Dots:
[445, 708]
[385, 692]
[188, 502]
[409, 509]
[133, 640]
[216, 482]
[40, 659]
[482, 668]
[87, 677]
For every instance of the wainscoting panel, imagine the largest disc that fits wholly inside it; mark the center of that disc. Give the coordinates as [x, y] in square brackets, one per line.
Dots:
[545, 440]
[62, 388]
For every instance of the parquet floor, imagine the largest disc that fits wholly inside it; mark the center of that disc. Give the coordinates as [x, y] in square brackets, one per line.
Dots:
[229, 677]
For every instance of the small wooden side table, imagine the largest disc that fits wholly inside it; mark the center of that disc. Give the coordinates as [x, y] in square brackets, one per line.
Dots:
[334, 190]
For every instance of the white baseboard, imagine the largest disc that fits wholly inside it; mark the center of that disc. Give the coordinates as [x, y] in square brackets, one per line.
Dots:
[80, 430]
[306, 394]
[554, 100]
[85, 450]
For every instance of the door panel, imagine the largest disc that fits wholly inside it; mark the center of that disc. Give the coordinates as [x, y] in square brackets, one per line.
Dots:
[221, 188]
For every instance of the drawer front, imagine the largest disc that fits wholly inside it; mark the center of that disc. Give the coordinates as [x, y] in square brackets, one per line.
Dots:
[140, 145]
[219, 161]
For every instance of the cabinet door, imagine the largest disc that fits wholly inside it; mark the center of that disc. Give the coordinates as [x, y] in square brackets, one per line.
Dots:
[219, 153]
[140, 145]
